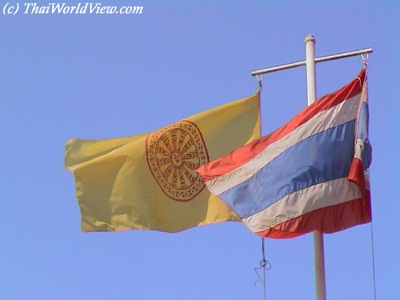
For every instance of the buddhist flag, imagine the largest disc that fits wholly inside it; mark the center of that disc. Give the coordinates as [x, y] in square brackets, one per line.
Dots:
[309, 175]
[149, 181]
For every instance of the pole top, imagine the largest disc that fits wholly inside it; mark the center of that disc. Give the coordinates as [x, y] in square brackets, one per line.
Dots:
[309, 38]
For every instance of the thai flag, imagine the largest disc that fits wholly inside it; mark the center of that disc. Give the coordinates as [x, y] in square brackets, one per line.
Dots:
[312, 174]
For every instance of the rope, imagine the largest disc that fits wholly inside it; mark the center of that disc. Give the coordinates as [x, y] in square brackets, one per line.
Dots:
[260, 79]
[373, 260]
[265, 266]
[365, 58]
[365, 62]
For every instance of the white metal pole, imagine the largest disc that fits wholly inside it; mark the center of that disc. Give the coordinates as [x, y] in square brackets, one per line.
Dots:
[317, 60]
[319, 259]
[318, 237]
[310, 68]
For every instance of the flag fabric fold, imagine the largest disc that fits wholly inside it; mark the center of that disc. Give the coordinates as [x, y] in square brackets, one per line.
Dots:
[149, 182]
[312, 174]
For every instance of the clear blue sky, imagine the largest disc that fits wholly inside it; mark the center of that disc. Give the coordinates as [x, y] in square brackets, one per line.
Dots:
[104, 76]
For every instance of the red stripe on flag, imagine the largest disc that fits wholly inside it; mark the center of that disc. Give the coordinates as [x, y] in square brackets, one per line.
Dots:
[325, 220]
[356, 174]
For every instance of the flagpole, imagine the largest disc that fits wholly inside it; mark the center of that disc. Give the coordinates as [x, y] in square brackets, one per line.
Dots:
[319, 257]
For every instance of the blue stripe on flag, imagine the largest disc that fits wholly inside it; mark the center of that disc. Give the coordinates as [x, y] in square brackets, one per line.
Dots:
[362, 133]
[319, 158]
[363, 122]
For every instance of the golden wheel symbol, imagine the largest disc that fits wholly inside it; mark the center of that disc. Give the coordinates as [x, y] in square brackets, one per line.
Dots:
[173, 155]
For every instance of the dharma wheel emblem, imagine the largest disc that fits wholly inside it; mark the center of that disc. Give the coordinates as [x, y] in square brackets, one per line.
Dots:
[173, 155]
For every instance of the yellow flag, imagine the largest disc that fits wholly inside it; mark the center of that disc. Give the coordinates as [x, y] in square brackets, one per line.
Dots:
[149, 181]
